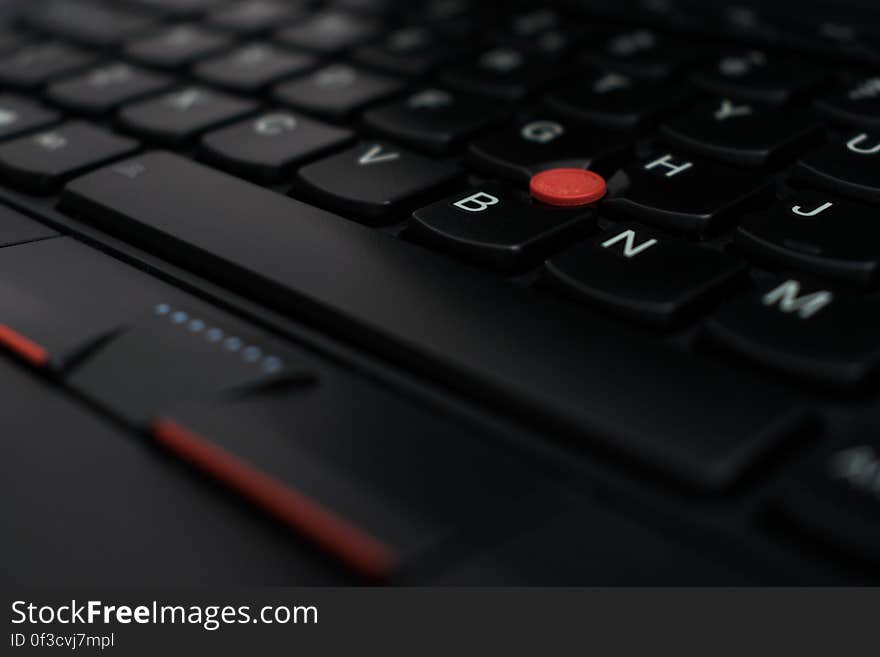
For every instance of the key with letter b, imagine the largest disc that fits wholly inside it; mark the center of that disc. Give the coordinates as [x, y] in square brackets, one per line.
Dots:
[497, 225]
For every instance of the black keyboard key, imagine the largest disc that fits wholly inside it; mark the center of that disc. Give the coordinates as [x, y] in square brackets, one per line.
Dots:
[504, 73]
[834, 494]
[755, 76]
[805, 328]
[547, 142]
[105, 88]
[34, 65]
[847, 166]
[266, 147]
[856, 104]
[15, 228]
[819, 232]
[255, 16]
[10, 40]
[543, 31]
[59, 298]
[88, 22]
[366, 7]
[642, 53]
[330, 32]
[617, 101]
[640, 274]
[743, 133]
[252, 67]
[18, 115]
[177, 46]
[336, 91]
[375, 181]
[41, 162]
[181, 115]
[412, 50]
[531, 23]
[436, 120]
[180, 8]
[685, 193]
[375, 515]
[702, 422]
[498, 225]
[179, 353]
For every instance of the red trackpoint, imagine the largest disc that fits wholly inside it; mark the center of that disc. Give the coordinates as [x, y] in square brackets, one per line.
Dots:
[567, 187]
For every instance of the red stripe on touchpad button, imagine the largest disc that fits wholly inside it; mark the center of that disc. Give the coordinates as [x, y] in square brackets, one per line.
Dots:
[359, 550]
[23, 346]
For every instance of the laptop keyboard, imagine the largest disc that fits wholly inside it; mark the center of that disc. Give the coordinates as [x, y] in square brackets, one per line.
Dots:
[365, 167]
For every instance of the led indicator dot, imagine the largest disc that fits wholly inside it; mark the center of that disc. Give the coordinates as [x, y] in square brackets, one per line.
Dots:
[214, 334]
[271, 364]
[232, 344]
[179, 317]
[252, 354]
[196, 325]
[163, 309]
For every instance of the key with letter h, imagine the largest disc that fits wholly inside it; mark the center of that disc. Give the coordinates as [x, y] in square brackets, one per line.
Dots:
[682, 192]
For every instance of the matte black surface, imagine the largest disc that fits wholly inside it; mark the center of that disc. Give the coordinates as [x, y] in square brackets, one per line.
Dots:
[469, 332]
[672, 442]
[92, 505]
[406, 474]
[16, 228]
[580, 543]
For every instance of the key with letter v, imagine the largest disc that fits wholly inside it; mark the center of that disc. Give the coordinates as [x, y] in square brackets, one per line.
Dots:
[351, 183]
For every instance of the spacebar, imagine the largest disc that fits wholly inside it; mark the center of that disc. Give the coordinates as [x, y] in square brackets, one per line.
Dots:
[587, 376]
